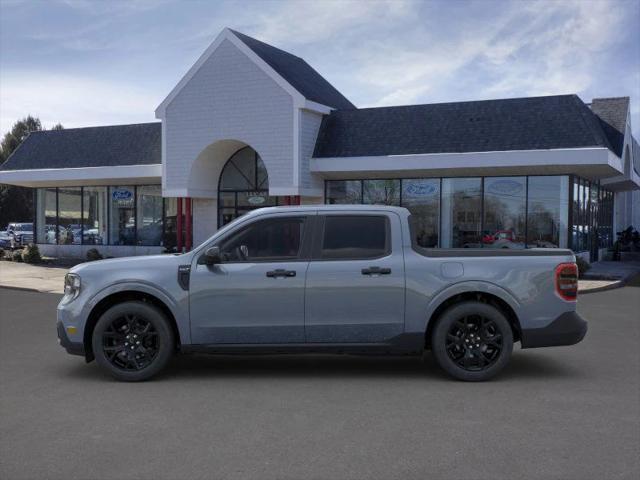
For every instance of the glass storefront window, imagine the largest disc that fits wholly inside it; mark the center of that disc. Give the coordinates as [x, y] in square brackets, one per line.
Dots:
[149, 215]
[170, 223]
[547, 214]
[344, 192]
[243, 186]
[461, 212]
[94, 215]
[46, 216]
[70, 216]
[422, 198]
[504, 212]
[122, 221]
[381, 192]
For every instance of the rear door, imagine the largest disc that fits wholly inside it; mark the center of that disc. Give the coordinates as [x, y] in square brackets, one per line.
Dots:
[355, 280]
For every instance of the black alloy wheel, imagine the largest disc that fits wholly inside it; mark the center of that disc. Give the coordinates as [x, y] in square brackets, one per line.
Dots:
[133, 341]
[130, 342]
[472, 341]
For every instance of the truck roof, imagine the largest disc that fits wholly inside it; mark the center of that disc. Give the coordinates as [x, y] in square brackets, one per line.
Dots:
[329, 208]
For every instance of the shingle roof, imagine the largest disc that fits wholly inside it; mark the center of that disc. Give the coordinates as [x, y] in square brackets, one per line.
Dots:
[532, 123]
[612, 113]
[298, 73]
[115, 145]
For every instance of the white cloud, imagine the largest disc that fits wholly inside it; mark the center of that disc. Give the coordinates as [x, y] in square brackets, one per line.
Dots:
[73, 101]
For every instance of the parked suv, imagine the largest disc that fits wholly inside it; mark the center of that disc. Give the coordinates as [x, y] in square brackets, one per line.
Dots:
[20, 234]
[339, 278]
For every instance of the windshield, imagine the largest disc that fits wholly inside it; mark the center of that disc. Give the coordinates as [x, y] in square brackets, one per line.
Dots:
[23, 227]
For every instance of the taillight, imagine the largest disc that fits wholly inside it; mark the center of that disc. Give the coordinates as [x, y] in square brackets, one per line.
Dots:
[566, 276]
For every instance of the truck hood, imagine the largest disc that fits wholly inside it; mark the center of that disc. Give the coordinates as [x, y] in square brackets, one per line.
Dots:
[124, 264]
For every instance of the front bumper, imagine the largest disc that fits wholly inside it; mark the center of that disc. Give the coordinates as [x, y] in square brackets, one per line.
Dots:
[74, 348]
[568, 329]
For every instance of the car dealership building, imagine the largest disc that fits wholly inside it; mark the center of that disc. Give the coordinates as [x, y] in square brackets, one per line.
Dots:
[250, 125]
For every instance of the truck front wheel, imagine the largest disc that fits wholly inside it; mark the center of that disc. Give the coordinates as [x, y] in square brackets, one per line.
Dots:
[472, 341]
[133, 341]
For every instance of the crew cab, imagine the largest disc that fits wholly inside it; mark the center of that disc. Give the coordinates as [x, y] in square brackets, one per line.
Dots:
[331, 279]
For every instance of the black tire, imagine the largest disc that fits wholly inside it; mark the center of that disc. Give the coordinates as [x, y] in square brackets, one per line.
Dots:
[133, 341]
[472, 341]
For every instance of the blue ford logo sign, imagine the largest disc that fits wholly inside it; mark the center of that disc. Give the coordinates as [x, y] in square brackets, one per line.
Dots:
[506, 187]
[422, 189]
[122, 194]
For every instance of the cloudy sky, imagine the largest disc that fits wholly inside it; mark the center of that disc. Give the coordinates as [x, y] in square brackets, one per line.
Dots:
[82, 62]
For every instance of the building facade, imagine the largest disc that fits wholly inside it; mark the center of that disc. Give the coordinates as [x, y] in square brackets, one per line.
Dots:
[250, 125]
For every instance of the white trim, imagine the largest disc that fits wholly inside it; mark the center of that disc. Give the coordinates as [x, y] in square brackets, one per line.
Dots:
[133, 174]
[296, 146]
[469, 160]
[227, 34]
[316, 107]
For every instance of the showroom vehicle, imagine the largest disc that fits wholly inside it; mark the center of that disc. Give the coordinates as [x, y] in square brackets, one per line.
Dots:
[20, 234]
[331, 279]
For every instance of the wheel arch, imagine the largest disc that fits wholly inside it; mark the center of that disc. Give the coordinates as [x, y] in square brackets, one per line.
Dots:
[114, 298]
[477, 292]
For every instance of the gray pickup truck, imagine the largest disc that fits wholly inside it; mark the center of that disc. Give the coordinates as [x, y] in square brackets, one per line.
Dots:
[321, 279]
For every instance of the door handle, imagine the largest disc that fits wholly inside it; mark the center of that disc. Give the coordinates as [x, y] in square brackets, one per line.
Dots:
[376, 271]
[281, 272]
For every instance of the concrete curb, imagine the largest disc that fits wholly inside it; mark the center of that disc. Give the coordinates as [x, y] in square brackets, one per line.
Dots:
[29, 289]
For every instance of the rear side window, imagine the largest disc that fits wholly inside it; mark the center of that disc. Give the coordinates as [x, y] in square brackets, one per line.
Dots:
[355, 237]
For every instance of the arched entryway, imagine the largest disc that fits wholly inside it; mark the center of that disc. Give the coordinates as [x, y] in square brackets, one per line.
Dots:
[243, 186]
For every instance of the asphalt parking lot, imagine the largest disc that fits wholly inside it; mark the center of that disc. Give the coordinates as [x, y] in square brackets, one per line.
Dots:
[566, 413]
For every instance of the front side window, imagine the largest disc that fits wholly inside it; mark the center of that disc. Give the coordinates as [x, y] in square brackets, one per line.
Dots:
[355, 237]
[274, 239]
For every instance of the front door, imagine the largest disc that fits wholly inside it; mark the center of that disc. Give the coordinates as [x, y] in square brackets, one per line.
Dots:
[355, 281]
[256, 295]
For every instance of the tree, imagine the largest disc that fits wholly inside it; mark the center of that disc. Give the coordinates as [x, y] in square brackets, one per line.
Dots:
[16, 203]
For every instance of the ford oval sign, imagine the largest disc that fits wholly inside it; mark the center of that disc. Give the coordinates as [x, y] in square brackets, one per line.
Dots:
[256, 200]
[505, 187]
[422, 189]
[122, 194]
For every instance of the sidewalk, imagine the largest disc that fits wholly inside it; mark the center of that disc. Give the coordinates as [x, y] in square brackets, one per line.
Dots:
[606, 275]
[32, 277]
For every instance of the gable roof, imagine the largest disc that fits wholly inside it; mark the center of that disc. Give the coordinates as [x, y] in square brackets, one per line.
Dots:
[298, 73]
[292, 73]
[115, 145]
[533, 123]
[612, 113]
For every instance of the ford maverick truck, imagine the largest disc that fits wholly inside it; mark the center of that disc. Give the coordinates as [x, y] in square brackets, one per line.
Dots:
[321, 279]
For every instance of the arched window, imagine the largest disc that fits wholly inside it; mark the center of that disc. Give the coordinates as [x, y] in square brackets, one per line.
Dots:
[243, 186]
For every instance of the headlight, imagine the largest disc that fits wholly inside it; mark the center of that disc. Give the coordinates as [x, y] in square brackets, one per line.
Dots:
[72, 285]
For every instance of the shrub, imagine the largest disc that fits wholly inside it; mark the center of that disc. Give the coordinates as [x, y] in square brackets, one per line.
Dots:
[16, 256]
[1, 254]
[583, 266]
[31, 254]
[94, 254]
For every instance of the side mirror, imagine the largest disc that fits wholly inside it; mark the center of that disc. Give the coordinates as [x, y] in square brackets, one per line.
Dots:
[211, 256]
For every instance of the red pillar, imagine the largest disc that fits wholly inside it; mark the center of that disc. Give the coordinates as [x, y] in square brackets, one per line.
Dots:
[179, 225]
[187, 213]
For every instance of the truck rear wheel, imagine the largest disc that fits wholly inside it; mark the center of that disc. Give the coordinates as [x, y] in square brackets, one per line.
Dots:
[472, 341]
[133, 341]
